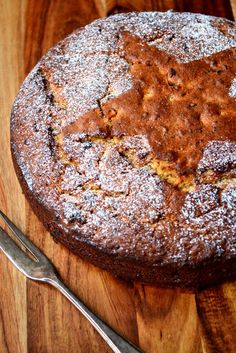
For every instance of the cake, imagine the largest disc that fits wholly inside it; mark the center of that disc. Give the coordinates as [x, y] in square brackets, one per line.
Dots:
[123, 138]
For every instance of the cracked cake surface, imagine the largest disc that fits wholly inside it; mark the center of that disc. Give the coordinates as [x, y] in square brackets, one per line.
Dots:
[123, 137]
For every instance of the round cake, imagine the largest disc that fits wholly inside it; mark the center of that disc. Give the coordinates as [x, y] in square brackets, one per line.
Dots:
[124, 140]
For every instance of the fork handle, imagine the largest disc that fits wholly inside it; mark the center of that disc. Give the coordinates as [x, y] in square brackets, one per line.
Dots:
[114, 341]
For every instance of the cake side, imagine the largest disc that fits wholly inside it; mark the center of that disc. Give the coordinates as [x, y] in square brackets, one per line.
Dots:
[188, 277]
[128, 152]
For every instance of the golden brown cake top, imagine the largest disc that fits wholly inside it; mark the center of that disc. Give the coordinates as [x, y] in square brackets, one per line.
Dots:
[126, 130]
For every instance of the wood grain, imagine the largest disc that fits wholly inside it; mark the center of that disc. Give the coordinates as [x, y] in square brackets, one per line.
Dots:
[215, 8]
[233, 6]
[13, 301]
[35, 318]
[167, 320]
[217, 314]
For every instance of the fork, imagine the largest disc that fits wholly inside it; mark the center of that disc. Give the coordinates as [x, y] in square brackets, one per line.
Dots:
[38, 267]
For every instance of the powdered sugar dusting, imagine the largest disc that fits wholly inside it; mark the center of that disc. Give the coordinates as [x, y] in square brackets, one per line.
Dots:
[30, 126]
[232, 90]
[218, 156]
[89, 68]
[196, 37]
[96, 191]
[119, 200]
[211, 215]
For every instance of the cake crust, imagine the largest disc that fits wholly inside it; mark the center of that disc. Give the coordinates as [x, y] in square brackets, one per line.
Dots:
[123, 138]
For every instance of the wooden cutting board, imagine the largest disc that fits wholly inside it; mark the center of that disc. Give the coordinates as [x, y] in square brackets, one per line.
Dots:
[35, 318]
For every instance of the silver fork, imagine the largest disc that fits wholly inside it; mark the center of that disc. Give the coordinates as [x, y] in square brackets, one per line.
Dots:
[38, 267]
